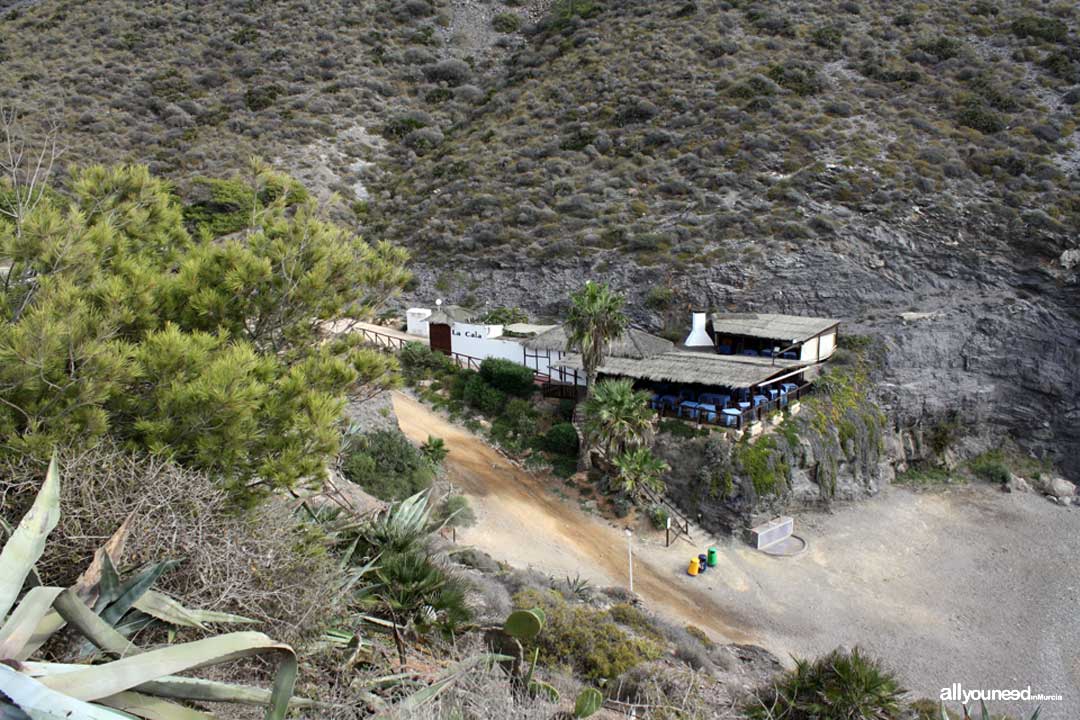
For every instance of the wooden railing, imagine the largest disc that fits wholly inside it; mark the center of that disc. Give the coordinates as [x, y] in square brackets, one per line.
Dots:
[383, 340]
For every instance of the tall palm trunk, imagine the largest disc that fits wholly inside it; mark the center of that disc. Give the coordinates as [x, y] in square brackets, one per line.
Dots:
[585, 454]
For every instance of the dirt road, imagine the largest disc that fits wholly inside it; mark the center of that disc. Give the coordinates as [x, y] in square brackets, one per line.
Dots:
[523, 522]
[967, 586]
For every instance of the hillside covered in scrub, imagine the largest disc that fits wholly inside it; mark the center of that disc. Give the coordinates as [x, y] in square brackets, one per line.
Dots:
[908, 167]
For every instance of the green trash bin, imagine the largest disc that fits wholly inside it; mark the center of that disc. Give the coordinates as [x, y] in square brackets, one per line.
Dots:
[713, 557]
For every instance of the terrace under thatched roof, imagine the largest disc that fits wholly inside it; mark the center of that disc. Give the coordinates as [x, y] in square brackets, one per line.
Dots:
[700, 368]
[636, 344]
[770, 326]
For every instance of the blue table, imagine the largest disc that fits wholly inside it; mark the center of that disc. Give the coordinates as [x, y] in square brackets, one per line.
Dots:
[714, 399]
[773, 393]
[708, 411]
[760, 400]
[731, 416]
[690, 407]
[789, 387]
[744, 406]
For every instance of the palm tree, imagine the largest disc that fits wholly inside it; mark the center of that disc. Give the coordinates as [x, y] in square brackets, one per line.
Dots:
[617, 418]
[595, 319]
[639, 468]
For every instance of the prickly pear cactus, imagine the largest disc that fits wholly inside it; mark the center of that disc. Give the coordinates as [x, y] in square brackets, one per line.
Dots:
[524, 625]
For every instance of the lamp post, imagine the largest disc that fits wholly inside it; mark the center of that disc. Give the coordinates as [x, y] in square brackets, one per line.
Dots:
[630, 556]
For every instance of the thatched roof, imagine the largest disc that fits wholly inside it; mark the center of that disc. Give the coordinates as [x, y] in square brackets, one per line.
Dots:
[631, 344]
[449, 314]
[734, 371]
[789, 328]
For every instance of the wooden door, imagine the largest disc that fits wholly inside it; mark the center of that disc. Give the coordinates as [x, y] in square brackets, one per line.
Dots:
[440, 337]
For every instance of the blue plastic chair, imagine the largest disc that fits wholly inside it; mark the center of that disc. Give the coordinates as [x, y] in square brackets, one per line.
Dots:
[760, 400]
[766, 353]
[724, 349]
[751, 353]
[790, 355]
[731, 417]
[706, 410]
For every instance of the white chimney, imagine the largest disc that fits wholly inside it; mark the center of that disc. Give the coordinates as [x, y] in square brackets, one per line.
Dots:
[698, 337]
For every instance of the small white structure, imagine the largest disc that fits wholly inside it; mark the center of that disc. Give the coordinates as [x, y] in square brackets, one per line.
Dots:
[699, 336]
[416, 321]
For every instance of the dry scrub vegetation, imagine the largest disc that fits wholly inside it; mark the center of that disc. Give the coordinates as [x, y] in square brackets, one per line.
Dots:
[679, 131]
[684, 131]
[249, 563]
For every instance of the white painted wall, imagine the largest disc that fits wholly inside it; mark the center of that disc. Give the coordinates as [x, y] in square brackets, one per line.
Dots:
[416, 321]
[809, 350]
[828, 344]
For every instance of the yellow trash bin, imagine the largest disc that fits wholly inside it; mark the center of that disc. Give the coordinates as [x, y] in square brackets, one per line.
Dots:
[693, 569]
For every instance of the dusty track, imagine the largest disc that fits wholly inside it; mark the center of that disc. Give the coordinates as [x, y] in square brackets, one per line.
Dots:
[522, 521]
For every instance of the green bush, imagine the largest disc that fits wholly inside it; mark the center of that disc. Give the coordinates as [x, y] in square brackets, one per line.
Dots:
[1048, 29]
[479, 395]
[506, 22]
[799, 78]
[419, 361]
[457, 512]
[763, 463]
[828, 36]
[561, 439]
[420, 592]
[387, 465]
[837, 685]
[991, 468]
[978, 116]
[658, 515]
[587, 639]
[507, 376]
[262, 97]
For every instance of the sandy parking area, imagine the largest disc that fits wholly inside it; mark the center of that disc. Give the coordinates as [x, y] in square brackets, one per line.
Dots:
[968, 586]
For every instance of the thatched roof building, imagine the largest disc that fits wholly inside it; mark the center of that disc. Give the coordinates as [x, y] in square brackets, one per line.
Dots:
[688, 367]
[788, 328]
[636, 344]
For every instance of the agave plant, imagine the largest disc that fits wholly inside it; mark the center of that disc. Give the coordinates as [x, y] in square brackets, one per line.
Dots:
[137, 682]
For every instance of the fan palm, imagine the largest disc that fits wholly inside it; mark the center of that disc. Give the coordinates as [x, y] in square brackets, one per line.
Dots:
[595, 319]
[617, 418]
[639, 468]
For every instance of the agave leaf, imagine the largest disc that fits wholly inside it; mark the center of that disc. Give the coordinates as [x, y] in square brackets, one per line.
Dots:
[51, 624]
[97, 631]
[27, 542]
[152, 708]
[112, 552]
[184, 688]
[99, 681]
[135, 588]
[109, 585]
[43, 703]
[214, 616]
[20, 627]
[167, 609]
[11, 712]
